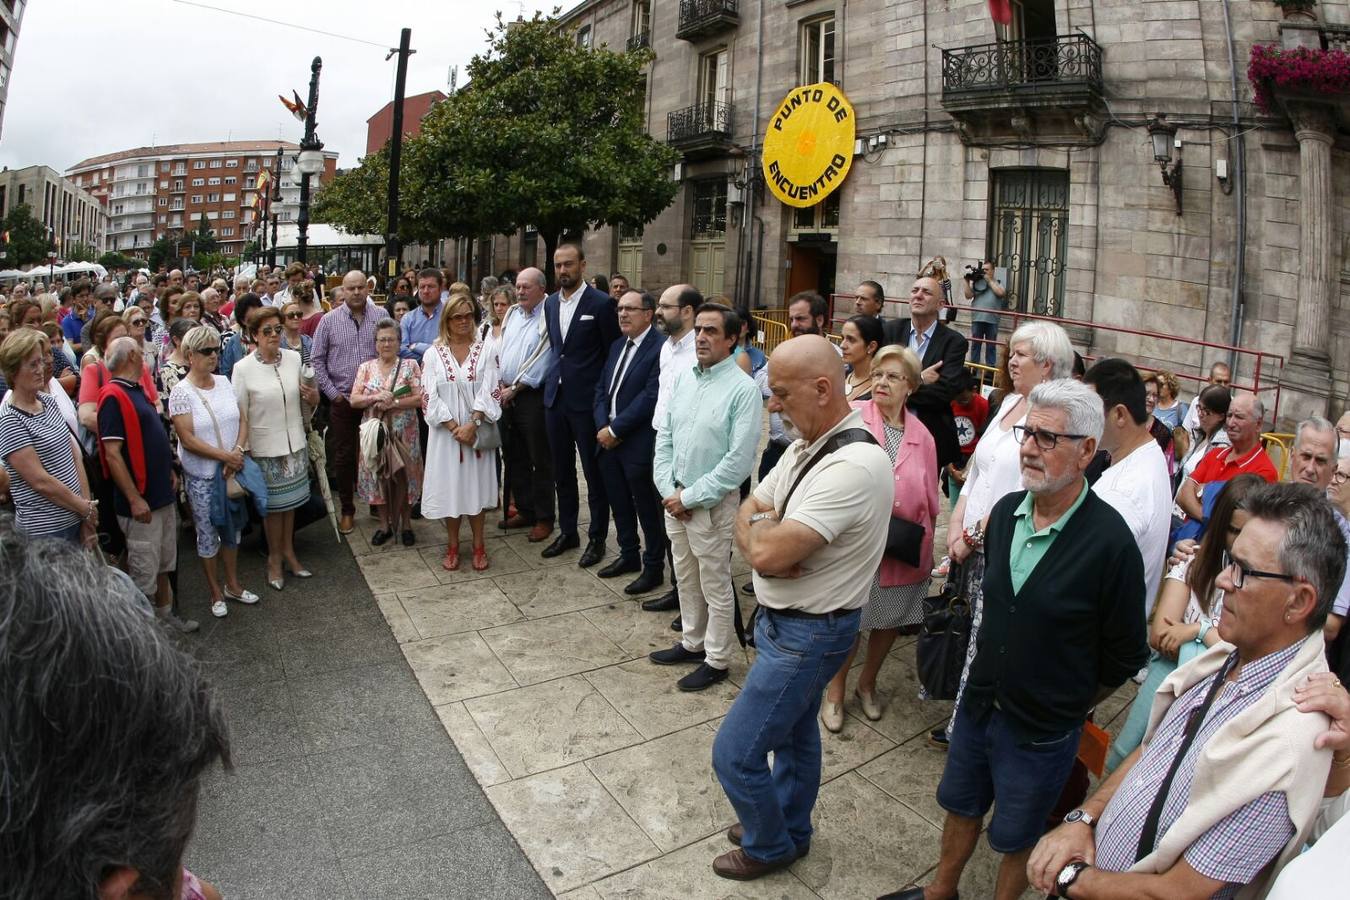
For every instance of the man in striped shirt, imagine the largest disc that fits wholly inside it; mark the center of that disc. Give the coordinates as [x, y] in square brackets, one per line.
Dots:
[1227, 783]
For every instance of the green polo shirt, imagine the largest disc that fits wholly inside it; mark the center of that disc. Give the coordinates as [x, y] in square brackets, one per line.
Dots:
[1029, 546]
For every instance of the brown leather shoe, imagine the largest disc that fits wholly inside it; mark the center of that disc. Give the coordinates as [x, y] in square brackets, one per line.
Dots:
[516, 521]
[736, 834]
[737, 866]
[346, 524]
[540, 532]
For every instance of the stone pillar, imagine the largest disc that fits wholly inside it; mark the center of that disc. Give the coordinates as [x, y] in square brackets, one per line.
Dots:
[1307, 376]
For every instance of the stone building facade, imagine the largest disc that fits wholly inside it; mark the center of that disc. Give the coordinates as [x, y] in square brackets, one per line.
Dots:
[71, 214]
[1028, 144]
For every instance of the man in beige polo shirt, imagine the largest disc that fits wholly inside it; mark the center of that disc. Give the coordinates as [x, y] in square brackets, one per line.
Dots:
[813, 531]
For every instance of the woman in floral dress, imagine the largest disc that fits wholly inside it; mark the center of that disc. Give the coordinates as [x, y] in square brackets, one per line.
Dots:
[377, 381]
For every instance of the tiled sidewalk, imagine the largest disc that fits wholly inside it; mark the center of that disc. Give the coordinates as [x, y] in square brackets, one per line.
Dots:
[601, 769]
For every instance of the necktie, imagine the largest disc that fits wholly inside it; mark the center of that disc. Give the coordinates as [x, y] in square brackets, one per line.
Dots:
[618, 375]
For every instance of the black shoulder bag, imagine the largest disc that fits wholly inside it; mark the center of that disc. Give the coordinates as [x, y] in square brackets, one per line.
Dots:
[745, 632]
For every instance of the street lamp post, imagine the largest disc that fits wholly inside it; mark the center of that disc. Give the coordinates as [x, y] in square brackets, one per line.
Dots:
[272, 200]
[309, 163]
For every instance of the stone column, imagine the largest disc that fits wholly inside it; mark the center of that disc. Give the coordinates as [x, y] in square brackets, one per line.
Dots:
[1308, 373]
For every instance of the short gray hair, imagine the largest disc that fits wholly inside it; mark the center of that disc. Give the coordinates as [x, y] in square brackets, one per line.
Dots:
[119, 351]
[1079, 402]
[1049, 343]
[1318, 424]
[487, 285]
[1313, 546]
[242, 281]
[108, 727]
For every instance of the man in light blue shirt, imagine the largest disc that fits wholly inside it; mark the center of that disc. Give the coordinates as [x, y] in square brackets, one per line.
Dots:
[705, 448]
[421, 326]
[527, 461]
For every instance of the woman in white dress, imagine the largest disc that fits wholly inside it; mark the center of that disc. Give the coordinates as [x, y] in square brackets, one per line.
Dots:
[460, 392]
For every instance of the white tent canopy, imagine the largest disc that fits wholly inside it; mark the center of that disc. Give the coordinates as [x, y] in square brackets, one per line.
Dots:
[320, 235]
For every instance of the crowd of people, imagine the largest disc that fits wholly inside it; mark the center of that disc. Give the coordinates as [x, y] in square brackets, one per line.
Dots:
[1102, 529]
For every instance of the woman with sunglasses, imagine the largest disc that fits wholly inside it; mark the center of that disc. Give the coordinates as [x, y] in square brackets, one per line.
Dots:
[205, 417]
[293, 338]
[269, 389]
[1188, 607]
[139, 327]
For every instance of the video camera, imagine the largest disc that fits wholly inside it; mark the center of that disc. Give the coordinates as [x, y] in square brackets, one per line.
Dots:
[975, 275]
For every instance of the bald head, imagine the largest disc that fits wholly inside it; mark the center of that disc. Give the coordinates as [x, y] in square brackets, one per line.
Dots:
[806, 380]
[530, 288]
[355, 288]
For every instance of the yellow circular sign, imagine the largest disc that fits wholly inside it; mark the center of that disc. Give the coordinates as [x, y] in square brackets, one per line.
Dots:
[808, 145]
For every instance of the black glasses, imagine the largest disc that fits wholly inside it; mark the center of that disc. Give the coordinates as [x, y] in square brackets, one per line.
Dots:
[1046, 440]
[1239, 573]
[295, 315]
[1340, 477]
[270, 330]
[207, 351]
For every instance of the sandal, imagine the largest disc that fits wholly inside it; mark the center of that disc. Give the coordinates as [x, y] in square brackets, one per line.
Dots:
[451, 561]
[480, 560]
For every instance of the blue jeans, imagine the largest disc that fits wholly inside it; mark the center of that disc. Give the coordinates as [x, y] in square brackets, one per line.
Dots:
[984, 335]
[776, 712]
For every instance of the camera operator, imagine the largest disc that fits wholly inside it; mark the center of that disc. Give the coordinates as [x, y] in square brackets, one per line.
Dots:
[987, 293]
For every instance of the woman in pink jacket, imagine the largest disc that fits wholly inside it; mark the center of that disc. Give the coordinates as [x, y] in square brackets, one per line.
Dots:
[898, 589]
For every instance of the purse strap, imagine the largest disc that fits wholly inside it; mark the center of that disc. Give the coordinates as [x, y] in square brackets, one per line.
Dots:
[836, 441]
[220, 443]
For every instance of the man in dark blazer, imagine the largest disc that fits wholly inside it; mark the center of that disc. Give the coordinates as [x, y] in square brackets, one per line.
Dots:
[582, 325]
[942, 355]
[625, 401]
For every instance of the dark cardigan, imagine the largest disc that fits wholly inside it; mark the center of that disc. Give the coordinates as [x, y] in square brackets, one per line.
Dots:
[1077, 625]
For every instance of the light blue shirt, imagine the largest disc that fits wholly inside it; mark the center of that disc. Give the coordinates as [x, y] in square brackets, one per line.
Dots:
[918, 341]
[419, 331]
[520, 335]
[706, 444]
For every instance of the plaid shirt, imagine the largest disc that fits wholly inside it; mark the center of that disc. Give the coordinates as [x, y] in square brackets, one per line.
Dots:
[340, 347]
[1235, 849]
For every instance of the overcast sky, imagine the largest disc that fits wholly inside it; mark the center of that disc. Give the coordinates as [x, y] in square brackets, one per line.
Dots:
[98, 76]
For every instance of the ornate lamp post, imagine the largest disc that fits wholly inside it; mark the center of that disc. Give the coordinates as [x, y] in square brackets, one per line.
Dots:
[309, 163]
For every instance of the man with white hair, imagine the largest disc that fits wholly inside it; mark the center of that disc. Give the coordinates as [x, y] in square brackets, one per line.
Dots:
[1063, 587]
[1313, 462]
[1245, 454]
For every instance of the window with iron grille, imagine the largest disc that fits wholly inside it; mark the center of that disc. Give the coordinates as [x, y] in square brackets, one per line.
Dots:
[1029, 236]
[817, 50]
[824, 216]
[710, 208]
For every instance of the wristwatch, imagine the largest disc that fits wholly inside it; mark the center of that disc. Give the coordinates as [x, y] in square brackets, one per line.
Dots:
[761, 516]
[1067, 876]
[1080, 815]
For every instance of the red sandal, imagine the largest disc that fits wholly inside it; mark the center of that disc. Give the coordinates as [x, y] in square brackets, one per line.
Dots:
[480, 560]
[451, 561]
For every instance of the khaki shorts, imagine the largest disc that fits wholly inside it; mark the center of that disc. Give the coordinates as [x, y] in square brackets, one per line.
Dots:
[152, 547]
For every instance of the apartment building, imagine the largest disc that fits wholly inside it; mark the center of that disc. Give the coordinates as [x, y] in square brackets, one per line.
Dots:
[1027, 144]
[11, 17]
[151, 191]
[73, 215]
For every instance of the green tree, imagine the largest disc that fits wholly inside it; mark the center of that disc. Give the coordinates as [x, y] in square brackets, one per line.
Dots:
[114, 260]
[28, 242]
[81, 252]
[164, 252]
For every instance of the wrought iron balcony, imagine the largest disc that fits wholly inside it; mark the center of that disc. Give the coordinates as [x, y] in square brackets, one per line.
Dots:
[1028, 87]
[640, 41]
[701, 127]
[699, 18]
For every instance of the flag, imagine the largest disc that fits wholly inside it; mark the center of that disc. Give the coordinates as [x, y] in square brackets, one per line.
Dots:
[1000, 11]
[297, 107]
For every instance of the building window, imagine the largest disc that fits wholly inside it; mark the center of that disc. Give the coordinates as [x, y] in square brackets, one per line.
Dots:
[213, 181]
[712, 78]
[163, 201]
[213, 198]
[163, 220]
[178, 184]
[164, 167]
[824, 216]
[227, 231]
[227, 214]
[212, 214]
[817, 50]
[199, 164]
[584, 37]
[231, 163]
[217, 163]
[198, 182]
[164, 185]
[1029, 236]
[230, 179]
[710, 209]
[229, 198]
[144, 171]
[177, 204]
[180, 169]
[196, 198]
[642, 18]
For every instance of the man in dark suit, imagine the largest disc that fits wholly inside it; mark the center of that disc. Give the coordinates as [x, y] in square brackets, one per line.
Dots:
[625, 401]
[582, 325]
[942, 353]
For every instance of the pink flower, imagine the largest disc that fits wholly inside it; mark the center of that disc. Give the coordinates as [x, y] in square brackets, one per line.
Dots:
[1302, 70]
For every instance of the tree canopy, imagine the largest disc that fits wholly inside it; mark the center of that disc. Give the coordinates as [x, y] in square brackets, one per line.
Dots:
[546, 133]
[28, 242]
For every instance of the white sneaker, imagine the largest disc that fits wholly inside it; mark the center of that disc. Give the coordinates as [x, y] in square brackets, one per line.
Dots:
[245, 596]
[219, 609]
[183, 626]
[942, 568]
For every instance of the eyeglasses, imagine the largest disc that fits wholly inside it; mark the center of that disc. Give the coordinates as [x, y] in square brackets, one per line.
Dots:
[1046, 440]
[295, 315]
[207, 351]
[386, 340]
[632, 309]
[1239, 573]
[270, 330]
[462, 317]
[137, 323]
[1340, 477]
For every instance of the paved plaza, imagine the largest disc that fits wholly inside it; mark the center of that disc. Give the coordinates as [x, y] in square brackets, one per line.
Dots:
[403, 731]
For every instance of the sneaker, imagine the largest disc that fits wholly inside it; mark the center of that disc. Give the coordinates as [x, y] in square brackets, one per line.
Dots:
[183, 626]
[219, 609]
[942, 568]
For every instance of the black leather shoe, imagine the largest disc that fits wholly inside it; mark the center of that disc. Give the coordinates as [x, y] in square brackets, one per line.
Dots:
[665, 603]
[644, 583]
[748, 588]
[705, 676]
[915, 893]
[561, 544]
[594, 552]
[677, 624]
[675, 656]
[619, 567]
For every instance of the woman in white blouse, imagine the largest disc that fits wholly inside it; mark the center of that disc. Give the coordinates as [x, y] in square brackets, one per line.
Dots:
[460, 393]
[1037, 352]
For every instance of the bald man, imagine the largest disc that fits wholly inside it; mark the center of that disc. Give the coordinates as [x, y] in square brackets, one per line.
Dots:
[813, 531]
[344, 339]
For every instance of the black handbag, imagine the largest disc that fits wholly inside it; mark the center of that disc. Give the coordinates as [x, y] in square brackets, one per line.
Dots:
[904, 540]
[944, 637]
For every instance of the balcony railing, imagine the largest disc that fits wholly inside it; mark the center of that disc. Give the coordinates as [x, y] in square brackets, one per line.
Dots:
[640, 41]
[699, 18]
[1069, 62]
[700, 126]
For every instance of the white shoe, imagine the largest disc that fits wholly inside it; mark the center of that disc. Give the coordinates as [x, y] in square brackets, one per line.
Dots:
[219, 609]
[871, 706]
[832, 716]
[183, 626]
[245, 596]
[942, 568]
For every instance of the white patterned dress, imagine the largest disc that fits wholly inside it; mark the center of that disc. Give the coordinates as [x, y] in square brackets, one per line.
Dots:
[458, 481]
